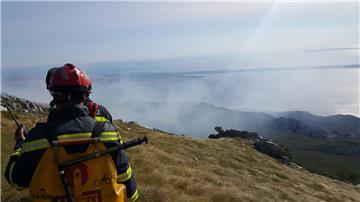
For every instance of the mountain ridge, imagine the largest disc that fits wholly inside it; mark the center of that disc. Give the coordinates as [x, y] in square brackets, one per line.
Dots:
[186, 114]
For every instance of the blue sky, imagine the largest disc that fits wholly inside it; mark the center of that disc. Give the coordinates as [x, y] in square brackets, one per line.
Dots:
[259, 34]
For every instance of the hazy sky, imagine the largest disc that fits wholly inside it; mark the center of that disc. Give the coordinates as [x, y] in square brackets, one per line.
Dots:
[195, 36]
[261, 34]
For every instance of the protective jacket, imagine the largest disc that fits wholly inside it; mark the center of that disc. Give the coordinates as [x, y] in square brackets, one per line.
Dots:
[97, 111]
[68, 123]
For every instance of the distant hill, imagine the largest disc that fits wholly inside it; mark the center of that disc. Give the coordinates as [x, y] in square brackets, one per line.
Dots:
[181, 168]
[336, 126]
[199, 119]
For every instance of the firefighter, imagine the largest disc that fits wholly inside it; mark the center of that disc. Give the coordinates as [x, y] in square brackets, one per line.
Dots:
[97, 111]
[69, 120]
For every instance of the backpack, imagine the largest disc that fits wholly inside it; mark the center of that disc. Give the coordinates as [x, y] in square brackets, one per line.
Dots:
[90, 180]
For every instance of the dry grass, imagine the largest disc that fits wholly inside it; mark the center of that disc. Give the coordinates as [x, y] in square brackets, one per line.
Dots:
[177, 168]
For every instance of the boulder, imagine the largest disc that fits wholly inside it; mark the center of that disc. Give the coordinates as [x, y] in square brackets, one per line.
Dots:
[219, 129]
[265, 146]
[272, 149]
[233, 134]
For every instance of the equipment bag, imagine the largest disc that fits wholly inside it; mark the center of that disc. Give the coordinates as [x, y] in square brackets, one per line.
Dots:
[91, 180]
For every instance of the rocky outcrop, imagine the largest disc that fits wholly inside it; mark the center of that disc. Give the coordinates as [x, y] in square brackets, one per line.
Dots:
[265, 146]
[233, 134]
[272, 149]
[21, 105]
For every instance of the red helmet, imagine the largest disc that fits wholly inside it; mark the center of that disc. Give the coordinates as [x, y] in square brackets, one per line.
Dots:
[69, 78]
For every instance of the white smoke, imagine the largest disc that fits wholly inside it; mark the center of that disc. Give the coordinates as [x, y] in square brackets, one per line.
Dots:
[165, 99]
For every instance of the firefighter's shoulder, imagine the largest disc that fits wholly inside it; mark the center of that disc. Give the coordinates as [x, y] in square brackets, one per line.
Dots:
[37, 132]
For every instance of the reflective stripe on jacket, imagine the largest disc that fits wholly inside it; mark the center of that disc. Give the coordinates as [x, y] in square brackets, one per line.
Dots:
[98, 112]
[43, 143]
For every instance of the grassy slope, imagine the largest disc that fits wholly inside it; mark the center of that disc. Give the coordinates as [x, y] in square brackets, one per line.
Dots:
[176, 168]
